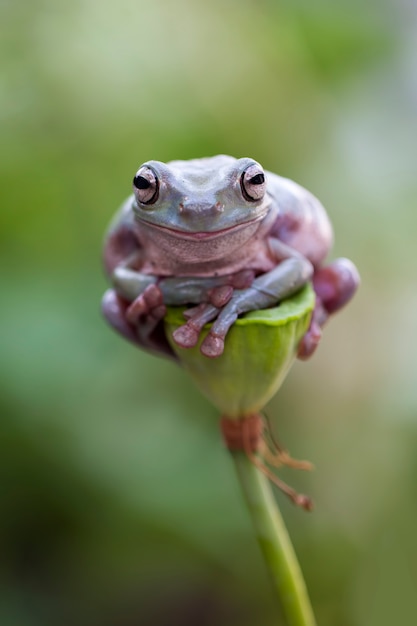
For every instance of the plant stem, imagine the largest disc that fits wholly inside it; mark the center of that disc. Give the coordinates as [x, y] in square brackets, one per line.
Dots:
[275, 543]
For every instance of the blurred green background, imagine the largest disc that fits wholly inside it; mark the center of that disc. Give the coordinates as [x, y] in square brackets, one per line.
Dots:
[119, 505]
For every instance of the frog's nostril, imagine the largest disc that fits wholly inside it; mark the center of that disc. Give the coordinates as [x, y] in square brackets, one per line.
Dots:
[200, 208]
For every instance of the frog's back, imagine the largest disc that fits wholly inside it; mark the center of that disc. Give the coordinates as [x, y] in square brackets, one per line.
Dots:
[302, 221]
[120, 240]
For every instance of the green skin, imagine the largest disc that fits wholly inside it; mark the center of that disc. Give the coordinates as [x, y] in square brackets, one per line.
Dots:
[225, 237]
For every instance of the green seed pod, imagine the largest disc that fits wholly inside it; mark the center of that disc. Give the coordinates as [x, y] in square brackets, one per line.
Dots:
[259, 351]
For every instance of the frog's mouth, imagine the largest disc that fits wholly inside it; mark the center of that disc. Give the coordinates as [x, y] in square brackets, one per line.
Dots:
[205, 234]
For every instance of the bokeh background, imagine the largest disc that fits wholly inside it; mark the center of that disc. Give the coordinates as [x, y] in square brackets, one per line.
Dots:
[119, 505]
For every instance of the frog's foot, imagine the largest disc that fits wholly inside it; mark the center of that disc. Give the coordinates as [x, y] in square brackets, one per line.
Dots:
[149, 336]
[219, 297]
[146, 312]
[148, 304]
[266, 290]
[311, 339]
[213, 344]
[187, 335]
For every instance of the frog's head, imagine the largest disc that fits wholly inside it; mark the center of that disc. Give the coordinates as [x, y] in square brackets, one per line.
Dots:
[200, 199]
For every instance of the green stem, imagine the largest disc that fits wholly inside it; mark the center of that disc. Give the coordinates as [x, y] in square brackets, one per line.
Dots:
[275, 543]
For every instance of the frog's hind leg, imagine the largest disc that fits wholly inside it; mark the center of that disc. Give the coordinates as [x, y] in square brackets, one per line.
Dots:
[148, 336]
[335, 285]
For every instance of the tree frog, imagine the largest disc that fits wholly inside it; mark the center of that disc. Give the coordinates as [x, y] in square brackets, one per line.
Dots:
[221, 236]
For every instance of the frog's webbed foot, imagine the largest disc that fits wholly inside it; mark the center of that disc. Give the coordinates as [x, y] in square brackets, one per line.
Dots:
[146, 311]
[219, 293]
[213, 344]
[150, 335]
[187, 335]
[335, 285]
[311, 339]
[149, 303]
[265, 291]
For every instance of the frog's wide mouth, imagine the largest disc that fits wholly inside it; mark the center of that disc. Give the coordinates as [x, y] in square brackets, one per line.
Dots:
[205, 234]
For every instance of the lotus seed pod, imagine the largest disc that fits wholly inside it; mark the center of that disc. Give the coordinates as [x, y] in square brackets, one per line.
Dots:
[260, 349]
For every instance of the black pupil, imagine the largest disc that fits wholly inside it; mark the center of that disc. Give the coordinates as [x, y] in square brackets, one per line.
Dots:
[258, 179]
[141, 182]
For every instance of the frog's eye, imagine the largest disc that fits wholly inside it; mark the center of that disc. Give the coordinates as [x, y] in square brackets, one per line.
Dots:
[146, 186]
[252, 183]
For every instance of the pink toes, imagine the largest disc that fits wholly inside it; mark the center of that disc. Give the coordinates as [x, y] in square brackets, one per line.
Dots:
[309, 342]
[219, 296]
[212, 346]
[150, 302]
[186, 336]
[147, 334]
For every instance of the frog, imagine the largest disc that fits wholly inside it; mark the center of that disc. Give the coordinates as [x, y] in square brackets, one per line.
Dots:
[219, 236]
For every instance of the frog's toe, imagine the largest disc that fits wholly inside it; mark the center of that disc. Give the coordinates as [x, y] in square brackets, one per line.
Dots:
[150, 335]
[159, 312]
[150, 302]
[153, 296]
[219, 296]
[194, 311]
[212, 346]
[186, 336]
[136, 309]
[309, 342]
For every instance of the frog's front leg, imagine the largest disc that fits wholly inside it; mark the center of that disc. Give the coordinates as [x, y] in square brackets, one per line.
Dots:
[149, 308]
[216, 290]
[266, 290]
[137, 305]
[146, 306]
[128, 285]
[147, 335]
[292, 272]
[147, 292]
